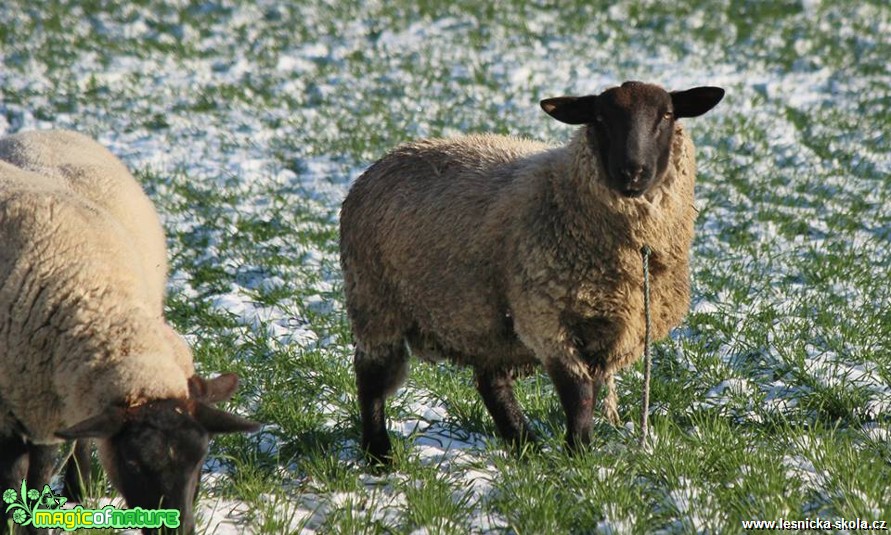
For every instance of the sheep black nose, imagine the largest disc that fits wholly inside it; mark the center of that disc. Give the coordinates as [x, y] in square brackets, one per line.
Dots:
[633, 173]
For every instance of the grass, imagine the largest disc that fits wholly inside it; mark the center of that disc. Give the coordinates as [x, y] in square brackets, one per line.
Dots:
[246, 122]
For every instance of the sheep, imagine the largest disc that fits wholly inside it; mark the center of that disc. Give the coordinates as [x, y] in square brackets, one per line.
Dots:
[504, 254]
[85, 350]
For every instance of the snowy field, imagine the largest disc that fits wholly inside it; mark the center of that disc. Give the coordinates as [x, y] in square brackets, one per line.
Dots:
[246, 121]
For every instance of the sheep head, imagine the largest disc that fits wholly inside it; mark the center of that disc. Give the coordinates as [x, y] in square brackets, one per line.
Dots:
[632, 128]
[153, 452]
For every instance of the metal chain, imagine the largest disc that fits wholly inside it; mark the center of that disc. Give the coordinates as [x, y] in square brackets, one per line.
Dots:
[644, 429]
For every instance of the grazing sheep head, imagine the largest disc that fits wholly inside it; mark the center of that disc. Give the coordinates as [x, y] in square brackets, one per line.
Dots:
[632, 127]
[153, 452]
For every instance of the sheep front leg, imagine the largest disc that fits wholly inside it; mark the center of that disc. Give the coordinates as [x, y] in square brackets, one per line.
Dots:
[577, 392]
[41, 462]
[496, 387]
[379, 372]
[13, 469]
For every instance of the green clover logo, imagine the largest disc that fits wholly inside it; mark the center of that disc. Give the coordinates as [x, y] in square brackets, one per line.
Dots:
[21, 509]
[23, 504]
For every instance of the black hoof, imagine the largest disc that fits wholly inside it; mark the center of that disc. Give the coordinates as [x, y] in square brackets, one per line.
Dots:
[378, 451]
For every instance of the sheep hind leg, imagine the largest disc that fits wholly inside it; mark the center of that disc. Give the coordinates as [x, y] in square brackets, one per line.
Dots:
[496, 387]
[379, 372]
[13, 469]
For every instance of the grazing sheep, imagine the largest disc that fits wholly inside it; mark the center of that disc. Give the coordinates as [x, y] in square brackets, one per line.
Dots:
[84, 347]
[502, 253]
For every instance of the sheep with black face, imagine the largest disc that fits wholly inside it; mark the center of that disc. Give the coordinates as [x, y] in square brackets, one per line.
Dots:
[503, 253]
[85, 351]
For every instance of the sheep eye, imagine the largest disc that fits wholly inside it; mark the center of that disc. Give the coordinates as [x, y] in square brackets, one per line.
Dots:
[667, 116]
[599, 118]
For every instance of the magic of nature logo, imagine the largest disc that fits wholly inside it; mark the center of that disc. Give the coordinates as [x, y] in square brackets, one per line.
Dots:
[44, 509]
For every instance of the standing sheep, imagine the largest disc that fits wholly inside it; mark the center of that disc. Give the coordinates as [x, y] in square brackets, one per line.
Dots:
[502, 253]
[84, 347]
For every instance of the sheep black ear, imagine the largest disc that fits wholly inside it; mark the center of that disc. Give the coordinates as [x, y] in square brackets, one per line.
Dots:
[571, 110]
[213, 390]
[216, 421]
[102, 426]
[694, 102]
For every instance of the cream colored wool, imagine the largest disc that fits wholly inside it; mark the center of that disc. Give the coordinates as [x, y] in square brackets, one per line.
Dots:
[501, 252]
[82, 279]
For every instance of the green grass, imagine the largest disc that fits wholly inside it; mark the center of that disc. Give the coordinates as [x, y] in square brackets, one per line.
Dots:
[246, 121]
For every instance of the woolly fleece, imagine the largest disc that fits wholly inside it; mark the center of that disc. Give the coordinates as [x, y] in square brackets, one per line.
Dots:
[500, 252]
[82, 278]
